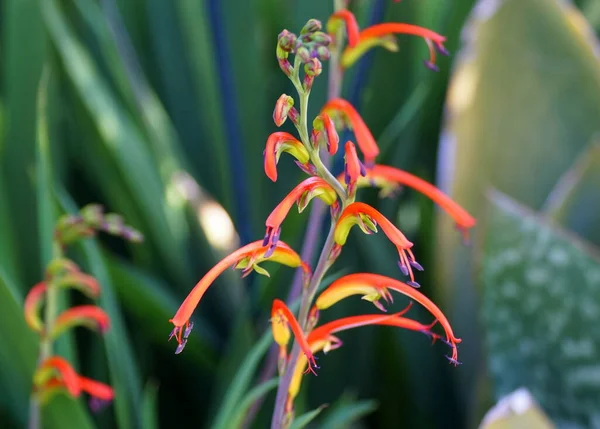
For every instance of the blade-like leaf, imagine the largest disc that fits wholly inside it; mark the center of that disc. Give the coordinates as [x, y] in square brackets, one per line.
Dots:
[150, 407]
[541, 296]
[303, 420]
[342, 415]
[253, 395]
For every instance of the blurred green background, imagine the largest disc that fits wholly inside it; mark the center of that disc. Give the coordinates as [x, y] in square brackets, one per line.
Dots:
[160, 111]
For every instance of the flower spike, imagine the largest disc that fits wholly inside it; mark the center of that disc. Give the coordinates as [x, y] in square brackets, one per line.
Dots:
[434, 40]
[367, 218]
[247, 258]
[301, 195]
[375, 286]
[347, 18]
[353, 168]
[283, 142]
[364, 138]
[387, 178]
[281, 314]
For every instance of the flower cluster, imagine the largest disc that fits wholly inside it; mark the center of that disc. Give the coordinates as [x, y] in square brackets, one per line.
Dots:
[54, 373]
[308, 49]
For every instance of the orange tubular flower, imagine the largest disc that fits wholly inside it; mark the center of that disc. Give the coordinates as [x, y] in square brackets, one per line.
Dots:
[353, 168]
[346, 17]
[246, 258]
[33, 303]
[284, 142]
[434, 40]
[89, 316]
[301, 195]
[281, 320]
[322, 339]
[387, 177]
[374, 287]
[367, 218]
[56, 365]
[100, 393]
[364, 138]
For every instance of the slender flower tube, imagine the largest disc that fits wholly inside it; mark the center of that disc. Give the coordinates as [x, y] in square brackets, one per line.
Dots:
[347, 18]
[90, 316]
[374, 287]
[33, 303]
[353, 168]
[86, 284]
[284, 142]
[364, 138]
[58, 366]
[300, 195]
[434, 40]
[389, 178]
[282, 319]
[246, 258]
[322, 339]
[367, 218]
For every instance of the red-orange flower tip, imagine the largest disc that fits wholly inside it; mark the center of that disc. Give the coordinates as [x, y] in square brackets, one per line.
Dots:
[280, 142]
[367, 218]
[283, 106]
[281, 319]
[353, 168]
[435, 41]
[100, 394]
[346, 17]
[324, 129]
[58, 366]
[246, 258]
[301, 195]
[374, 287]
[364, 138]
[89, 316]
[389, 178]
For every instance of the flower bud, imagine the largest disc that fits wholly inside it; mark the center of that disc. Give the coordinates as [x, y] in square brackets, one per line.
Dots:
[320, 38]
[311, 26]
[323, 53]
[313, 67]
[282, 108]
[286, 41]
[304, 54]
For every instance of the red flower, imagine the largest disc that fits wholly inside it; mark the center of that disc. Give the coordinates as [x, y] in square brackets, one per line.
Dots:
[374, 287]
[246, 258]
[346, 17]
[353, 168]
[351, 118]
[90, 316]
[367, 218]
[280, 142]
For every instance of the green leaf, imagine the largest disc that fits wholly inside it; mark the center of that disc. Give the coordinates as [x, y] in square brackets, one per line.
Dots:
[344, 413]
[122, 141]
[241, 381]
[124, 373]
[306, 418]
[253, 395]
[541, 295]
[150, 406]
[575, 201]
[523, 102]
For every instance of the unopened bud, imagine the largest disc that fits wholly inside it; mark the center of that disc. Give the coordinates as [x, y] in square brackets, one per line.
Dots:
[311, 26]
[282, 108]
[313, 68]
[323, 53]
[304, 54]
[320, 38]
[92, 214]
[287, 40]
[294, 116]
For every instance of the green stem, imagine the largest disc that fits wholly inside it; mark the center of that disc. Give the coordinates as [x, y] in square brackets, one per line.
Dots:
[46, 350]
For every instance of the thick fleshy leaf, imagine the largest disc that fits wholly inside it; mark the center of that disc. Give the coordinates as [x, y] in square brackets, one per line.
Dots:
[523, 102]
[541, 295]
